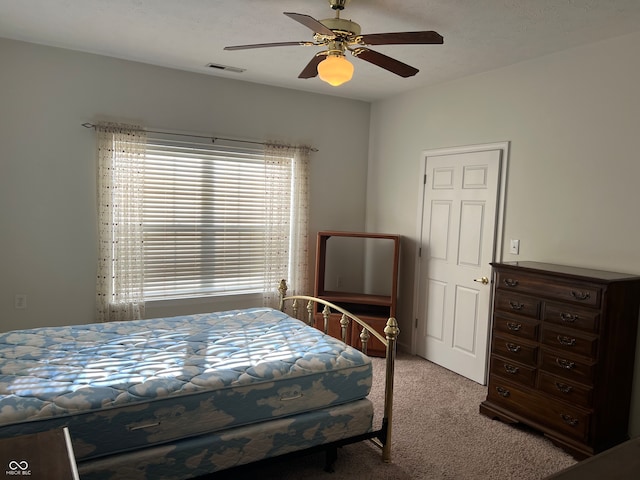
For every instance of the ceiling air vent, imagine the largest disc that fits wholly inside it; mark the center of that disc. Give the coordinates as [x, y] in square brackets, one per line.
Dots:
[226, 68]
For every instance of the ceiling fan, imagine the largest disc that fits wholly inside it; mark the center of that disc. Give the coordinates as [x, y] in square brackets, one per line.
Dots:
[339, 36]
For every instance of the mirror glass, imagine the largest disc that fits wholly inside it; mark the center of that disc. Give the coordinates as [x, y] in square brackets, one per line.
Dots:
[359, 265]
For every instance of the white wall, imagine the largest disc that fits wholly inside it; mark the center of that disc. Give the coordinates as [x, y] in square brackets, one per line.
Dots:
[572, 195]
[47, 161]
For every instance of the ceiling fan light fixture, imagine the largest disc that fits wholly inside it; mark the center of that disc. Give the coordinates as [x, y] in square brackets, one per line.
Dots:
[335, 70]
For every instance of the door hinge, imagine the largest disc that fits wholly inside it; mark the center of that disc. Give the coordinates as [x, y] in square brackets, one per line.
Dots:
[419, 251]
[416, 326]
[424, 180]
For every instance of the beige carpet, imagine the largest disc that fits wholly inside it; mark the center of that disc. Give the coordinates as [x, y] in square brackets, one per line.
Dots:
[437, 434]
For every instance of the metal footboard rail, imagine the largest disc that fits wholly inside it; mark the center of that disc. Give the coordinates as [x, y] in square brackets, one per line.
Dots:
[391, 332]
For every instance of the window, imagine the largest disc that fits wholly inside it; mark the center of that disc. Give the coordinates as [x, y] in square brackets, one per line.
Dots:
[204, 218]
[199, 219]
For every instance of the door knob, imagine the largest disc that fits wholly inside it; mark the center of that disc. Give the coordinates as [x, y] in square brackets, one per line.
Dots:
[483, 280]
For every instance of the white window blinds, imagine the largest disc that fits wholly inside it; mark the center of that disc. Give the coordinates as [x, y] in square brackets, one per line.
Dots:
[204, 217]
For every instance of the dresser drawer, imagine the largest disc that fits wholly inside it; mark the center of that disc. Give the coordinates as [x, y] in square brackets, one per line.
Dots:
[571, 316]
[569, 341]
[566, 390]
[527, 329]
[514, 349]
[517, 304]
[559, 416]
[581, 293]
[567, 367]
[514, 371]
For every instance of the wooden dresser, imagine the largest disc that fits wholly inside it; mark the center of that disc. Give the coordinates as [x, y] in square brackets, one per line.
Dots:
[563, 352]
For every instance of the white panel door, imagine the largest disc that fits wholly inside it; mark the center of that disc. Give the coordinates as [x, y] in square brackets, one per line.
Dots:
[457, 245]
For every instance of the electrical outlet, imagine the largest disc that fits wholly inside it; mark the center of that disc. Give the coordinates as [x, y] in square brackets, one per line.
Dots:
[20, 301]
[514, 247]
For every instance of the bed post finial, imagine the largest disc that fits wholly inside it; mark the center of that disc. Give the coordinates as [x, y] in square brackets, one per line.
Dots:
[282, 290]
[391, 330]
[310, 308]
[364, 340]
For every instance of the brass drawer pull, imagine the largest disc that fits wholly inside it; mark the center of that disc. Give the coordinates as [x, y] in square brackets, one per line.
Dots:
[563, 387]
[566, 341]
[568, 317]
[516, 306]
[569, 420]
[514, 326]
[503, 392]
[510, 282]
[580, 295]
[511, 369]
[512, 347]
[566, 364]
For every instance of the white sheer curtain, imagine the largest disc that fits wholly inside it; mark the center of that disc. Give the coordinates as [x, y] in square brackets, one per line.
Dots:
[121, 155]
[287, 223]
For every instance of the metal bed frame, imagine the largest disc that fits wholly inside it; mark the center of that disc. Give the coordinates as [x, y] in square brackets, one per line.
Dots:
[382, 436]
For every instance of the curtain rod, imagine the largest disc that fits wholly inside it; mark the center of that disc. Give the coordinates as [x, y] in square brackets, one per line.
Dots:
[212, 138]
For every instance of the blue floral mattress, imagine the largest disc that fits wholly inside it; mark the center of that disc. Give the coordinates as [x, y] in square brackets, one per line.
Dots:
[122, 386]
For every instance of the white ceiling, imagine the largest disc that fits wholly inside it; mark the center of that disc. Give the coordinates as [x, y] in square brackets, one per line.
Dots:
[479, 35]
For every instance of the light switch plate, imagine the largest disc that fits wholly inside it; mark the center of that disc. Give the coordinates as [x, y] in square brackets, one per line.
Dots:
[514, 247]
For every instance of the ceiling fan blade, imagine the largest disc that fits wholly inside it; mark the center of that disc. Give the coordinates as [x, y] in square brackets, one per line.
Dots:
[276, 44]
[388, 63]
[311, 70]
[310, 22]
[399, 38]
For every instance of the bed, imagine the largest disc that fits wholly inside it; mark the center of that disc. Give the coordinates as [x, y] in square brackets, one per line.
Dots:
[180, 397]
